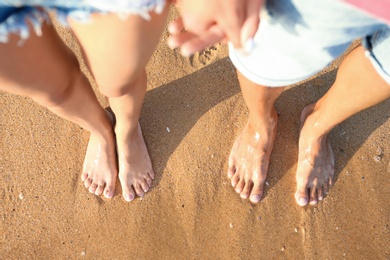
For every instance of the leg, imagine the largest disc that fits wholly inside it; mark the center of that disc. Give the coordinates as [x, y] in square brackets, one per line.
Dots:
[249, 158]
[117, 52]
[47, 71]
[357, 80]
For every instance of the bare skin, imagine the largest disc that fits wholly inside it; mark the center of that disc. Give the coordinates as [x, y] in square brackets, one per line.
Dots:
[134, 163]
[360, 83]
[100, 169]
[249, 158]
[117, 51]
[316, 158]
[117, 60]
[250, 155]
[233, 20]
[66, 92]
[135, 167]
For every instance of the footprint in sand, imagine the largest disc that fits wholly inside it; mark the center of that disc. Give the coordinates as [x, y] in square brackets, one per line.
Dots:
[204, 57]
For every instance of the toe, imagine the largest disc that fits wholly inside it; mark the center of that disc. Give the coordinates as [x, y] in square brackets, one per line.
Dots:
[240, 186]
[145, 186]
[128, 193]
[87, 182]
[257, 193]
[139, 190]
[247, 189]
[149, 181]
[325, 189]
[313, 196]
[320, 193]
[231, 170]
[84, 176]
[151, 174]
[330, 181]
[99, 190]
[109, 189]
[301, 195]
[93, 187]
[235, 179]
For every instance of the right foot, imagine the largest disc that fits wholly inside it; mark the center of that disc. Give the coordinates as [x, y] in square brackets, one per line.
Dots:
[135, 168]
[249, 159]
[99, 171]
[315, 161]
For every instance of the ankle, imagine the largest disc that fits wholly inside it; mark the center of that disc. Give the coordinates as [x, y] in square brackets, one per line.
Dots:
[264, 122]
[126, 132]
[105, 130]
[314, 127]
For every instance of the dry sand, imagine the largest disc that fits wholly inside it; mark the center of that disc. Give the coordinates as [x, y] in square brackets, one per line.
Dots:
[191, 211]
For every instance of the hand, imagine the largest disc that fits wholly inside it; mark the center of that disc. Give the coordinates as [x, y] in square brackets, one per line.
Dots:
[207, 22]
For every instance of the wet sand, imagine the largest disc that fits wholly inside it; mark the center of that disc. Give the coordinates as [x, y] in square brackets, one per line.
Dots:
[192, 114]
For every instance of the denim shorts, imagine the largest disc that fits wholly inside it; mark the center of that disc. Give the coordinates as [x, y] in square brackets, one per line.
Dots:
[15, 13]
[298, 38]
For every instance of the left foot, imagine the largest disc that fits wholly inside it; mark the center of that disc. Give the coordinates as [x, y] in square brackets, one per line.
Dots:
[135, 168]
[315, 161]
[249, 158]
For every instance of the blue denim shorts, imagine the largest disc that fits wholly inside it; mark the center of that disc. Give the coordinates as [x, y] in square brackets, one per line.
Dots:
[298, 38]
[15, 13]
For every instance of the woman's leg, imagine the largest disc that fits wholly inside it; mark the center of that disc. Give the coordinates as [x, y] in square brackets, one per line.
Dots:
[117, 51]
[48, 72]
[357, 87]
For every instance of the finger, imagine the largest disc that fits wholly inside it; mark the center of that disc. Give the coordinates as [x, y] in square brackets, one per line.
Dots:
[195, 24]
[175, 41]
[251, 24]
[232, 24]
[176, 27]
[212, 36]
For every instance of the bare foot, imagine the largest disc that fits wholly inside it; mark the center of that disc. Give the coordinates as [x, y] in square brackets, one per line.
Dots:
[99, 170]
[315, 161]
[135, 168]
[249, 159]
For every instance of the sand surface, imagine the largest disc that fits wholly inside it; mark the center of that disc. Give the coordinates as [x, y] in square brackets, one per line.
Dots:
[192, 212]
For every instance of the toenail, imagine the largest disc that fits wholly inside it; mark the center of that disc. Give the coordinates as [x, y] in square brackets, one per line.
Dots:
[255, 198]
[244, 196]
[129, 197]
[302, 201]
[109, 194]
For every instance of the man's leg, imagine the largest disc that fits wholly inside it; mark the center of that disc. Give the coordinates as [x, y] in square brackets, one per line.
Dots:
[45, 70]
[357, 87]
[250, 155]
[117, 52]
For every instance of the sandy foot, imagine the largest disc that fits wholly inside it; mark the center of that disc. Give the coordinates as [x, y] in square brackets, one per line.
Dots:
[249, 159]
[135, 168]
[315, 161]
[99, 170]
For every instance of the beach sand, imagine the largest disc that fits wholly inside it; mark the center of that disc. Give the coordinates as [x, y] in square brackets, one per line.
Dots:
[192, 114]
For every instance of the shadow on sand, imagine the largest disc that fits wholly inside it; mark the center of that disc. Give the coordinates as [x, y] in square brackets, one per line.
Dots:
[165, 106]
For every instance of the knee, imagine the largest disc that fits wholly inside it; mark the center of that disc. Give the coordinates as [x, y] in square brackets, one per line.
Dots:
[115, 84]
[61, 93]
